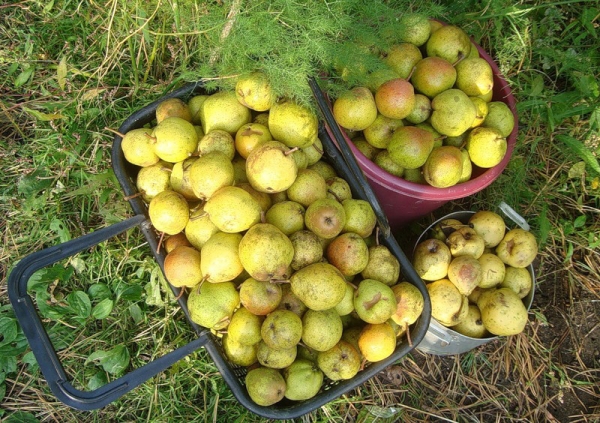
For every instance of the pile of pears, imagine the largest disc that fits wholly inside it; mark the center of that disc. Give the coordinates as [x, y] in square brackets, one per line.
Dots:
[477, 274]
[275, 255]
[428, 116]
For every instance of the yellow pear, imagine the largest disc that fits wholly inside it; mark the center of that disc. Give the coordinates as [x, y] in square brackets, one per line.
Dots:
[293, 124]
[220, 261]
[233, 209]
[169, 212]
[254, 91]
[271, 168]
[210, 173]
[176, 139]
[222, 110]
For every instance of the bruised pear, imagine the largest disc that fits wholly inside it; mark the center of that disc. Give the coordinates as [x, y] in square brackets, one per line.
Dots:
[502, 312]
[431, 259]
[374, 301]
[518, 248]
[349, 253]
[254, 91]
[341, 362]
[307, 249]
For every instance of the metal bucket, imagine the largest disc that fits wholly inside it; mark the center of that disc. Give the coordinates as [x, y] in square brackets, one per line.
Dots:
[443, 340]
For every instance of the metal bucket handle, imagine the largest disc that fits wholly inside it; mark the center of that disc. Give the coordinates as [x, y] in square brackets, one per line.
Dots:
[39, 341]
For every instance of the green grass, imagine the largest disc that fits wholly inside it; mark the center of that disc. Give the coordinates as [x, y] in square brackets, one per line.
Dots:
[68, 70]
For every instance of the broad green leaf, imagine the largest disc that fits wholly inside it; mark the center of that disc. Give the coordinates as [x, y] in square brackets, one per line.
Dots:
[8, 364]
[80, 303]
[8, 330]
[581, 150]
[129, 292]
[31, 361]
[44, 117]
[114, 361]
[579, 221]
[136, 313]
[61, 73]
[33, 183]
[103, 309]
[97, 381]
[21, 417]
[99, 291]
[24, 76]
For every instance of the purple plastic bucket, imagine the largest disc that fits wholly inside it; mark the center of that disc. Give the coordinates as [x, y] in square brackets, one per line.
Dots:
[404, 201]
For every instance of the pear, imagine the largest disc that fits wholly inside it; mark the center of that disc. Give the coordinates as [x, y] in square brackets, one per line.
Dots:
[249, 136]
[422, 110]
[313, 152]
[465, 241]
[410, 146]
[433, 75]
[449, 42]
[238, 353]
[293, 124]
[499, 117]
[275, 358]
[325, 217]
[377, 341]
[195, 104]
[199, 228]
[211, 305]
[517, 279]
[346, 306]
[303, 380]
[482, 108]
[325, 169]
[239, 170]
[265, 252]
[174, 241]
[281, 329]
[180, 178]
[489, 225]
[414, 176]
[374, 301]
[385, 162]
[338, 188]
[169, 212]
[472, 325]
[518, 248]
[492, 270]
[209, 173]
[414, 28]
[254, 91]
[220, 261]
[486, 146]
[153, 179]
[474, 76]
[233, 209]
[446, 302]
[355, 109]
[217, 140]
[502, 312]
[222, 110]
[172, 107]
[300, 158]
[287, 216]
[341, 362]
[443, 167]
[395, 98]
[410, 304]
[382, 265]
[176, 139]
[262, 198]
[290, 301]
[453, 112]
[360, 217]
[265, 386]
[366, 148]
[308, 187]
[379, 133]
[260, 297]
[320, 286]
[307, 249]
[321, 329]
[349, 253]
[245, 327]
[431, 259]
[445, 227]
[270, 168]
[465, 272]
[467, 167]
[402, 58]
[138, 147]
[182, 267]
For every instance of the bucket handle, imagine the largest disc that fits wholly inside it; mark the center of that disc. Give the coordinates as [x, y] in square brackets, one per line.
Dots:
[40, 343]
[349, 158]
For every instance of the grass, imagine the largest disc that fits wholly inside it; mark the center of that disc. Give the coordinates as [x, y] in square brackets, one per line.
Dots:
[68, 70]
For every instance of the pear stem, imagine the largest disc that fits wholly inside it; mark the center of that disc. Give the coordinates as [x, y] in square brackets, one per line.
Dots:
[181, 292]
[114, 132]
[132, 196]
[160, 241]
[411, 73]
[318, 149]
[407, 330]
[291, 151]
[279, 281]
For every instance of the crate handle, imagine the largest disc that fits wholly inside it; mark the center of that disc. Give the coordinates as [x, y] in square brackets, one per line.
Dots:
[40, 343]
[349, 158]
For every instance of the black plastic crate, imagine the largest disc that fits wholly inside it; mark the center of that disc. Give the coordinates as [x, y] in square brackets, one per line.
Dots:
[233, 375]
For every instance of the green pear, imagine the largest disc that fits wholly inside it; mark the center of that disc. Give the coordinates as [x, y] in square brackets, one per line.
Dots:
[265, 252]
[500, 117]
[414, 28]
[217, 140]
[154, 179]
[307, 249]
[281, 329]
[402, 58]
[138, 147]
[222, 110]
[382, 265]
[211, 305]
[260, 297]
[467, 166]
[271, 168]
[275, 358]
[287, 216]
[355, 109]
[195, 104]
[346, 306]
[410, 146]
[341, 362]
[482, 108]
[453, 112]
[474, 76]
[366, 148]
[169, 212]
[245, 327]
[384, 161]
[325, 169]
[338, 188]
[321, 329]
[265, 386]
[176, 139]
[313, 152]
[290, 301]
[220, 261]
[380, 132]
[303, 380]
[374, 301]
[433, 75]
[262, 198]
[443, 167]
[199, 228]
[422, 110]
[360, 217]
[449, 42]
[293, 124]
[308, 186]
[320, 286]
